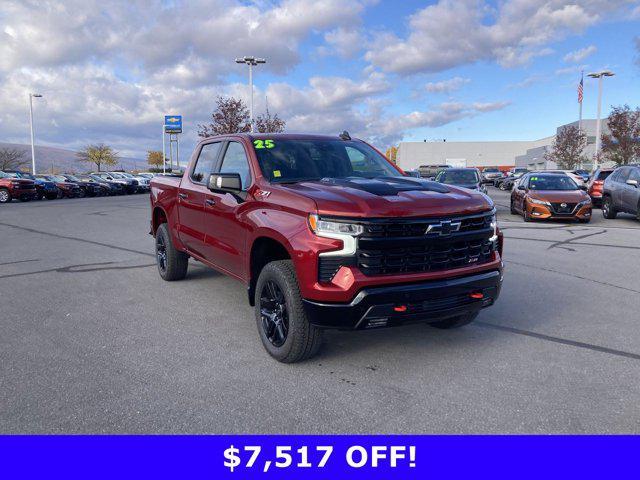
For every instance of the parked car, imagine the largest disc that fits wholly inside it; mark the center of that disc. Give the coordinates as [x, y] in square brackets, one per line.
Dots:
[576, 178]
[130, 185]
[583, 174]
[518, 170]
[595, 183]
[550, 196]
[44, 188]
[492, 174]
[430, 171]
[143, 182]
[65, 188]
[413, 173]
[88, 188]
[462, 177]
[113, 188]
[506, 183]
[14, 187]
[320, 244]
[621, 192]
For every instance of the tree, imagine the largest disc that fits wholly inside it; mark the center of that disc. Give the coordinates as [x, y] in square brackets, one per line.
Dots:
[392, 153]
[267, 123]
[567, 150]
[99, 154]
[12, 159]
[154, 158]
[622, 146]
[230, 116]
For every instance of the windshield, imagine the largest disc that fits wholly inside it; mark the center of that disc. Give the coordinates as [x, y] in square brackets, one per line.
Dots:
[552, 182]
[126, 175]
[10, 175]
[72, 178]
[56, 178]
[288, 160]
[458, 177]
[491, 170]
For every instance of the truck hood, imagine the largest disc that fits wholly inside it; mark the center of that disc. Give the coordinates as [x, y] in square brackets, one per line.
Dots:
[389, 197]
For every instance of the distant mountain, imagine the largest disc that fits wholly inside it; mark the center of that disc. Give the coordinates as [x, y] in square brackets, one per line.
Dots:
[62, 160]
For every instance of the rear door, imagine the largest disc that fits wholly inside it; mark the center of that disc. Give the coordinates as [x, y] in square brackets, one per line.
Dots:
[225, 229]
[630, 193]
[191, 198]
[619, 187]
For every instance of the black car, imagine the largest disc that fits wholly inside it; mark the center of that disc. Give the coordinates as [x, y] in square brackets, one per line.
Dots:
[462, 177]
[88, 188]
[507, 183]
[44, 188]
[113, 188]
[621, 192]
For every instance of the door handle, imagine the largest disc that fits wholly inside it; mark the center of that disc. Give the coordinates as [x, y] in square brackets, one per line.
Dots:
[210, 202]
[182, 195]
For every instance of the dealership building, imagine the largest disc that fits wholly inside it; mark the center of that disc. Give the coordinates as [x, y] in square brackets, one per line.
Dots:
[504, 155]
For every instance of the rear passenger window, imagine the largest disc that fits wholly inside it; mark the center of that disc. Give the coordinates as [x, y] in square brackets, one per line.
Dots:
[206, 161]
[623, 175]
[235, 161]
[635, 175]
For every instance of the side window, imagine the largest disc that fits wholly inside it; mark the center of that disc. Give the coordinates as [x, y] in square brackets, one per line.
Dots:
[205, 162]
[623, 175]
[235, 161]
[635, 175]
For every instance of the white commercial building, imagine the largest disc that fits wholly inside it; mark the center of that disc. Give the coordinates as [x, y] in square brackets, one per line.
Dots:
[505, 155]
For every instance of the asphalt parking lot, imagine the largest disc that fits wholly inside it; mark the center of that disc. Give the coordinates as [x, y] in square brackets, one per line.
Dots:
[92, 340]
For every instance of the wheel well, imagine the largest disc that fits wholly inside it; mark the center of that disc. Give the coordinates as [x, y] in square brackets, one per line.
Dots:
[159, 217]
[263, 251]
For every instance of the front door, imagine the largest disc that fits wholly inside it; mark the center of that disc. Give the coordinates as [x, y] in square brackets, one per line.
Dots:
[191, 198]
[225, 231]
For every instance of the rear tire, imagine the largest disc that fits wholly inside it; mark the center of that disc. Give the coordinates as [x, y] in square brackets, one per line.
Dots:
[455, 322]
[512, 208]
[172, 263]
[283, 326]
[608, 210]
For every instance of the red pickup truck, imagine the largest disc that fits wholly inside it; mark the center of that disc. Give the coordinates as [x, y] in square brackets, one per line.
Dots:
[12, 187]
[325, 232]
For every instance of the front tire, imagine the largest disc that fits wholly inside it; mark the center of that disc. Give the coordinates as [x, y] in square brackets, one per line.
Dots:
[5, 196]
[513, 208]
[172, 263]
[608, 210]
[283, 326]
[455, 322]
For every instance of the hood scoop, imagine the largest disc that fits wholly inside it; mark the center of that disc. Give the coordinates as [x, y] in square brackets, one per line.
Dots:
[387, 186]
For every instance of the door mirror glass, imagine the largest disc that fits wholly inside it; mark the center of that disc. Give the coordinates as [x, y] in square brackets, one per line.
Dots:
[583, 187]
[225, 182]
[521, 187]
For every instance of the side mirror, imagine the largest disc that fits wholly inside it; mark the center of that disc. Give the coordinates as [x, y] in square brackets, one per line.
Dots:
[583, 187]
[633, 183]
[225, 183]
[521, 187]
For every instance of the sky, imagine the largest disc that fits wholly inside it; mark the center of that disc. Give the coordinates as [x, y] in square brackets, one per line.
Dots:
[385, 71]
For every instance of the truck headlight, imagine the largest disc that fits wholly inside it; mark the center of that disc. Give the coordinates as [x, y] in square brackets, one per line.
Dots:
[494, 227]
[325, 227]
[344, 231]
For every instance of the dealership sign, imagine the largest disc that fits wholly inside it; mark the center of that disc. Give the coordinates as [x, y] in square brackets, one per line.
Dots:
[173, 123]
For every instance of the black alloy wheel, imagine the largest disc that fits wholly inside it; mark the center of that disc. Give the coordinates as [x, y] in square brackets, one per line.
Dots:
[273, 311]
[161, 253]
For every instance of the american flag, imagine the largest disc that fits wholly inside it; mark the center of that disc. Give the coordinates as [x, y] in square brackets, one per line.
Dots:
[580, 89]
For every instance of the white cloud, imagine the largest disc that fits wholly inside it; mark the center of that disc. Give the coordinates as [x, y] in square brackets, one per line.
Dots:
[457, 32]
[345, 42]
[579, 55]
[446, 86]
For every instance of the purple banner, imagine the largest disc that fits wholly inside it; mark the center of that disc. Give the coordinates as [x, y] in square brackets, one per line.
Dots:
[321, 457]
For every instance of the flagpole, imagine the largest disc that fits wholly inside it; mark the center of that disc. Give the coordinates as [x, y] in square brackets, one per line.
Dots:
[580, 103]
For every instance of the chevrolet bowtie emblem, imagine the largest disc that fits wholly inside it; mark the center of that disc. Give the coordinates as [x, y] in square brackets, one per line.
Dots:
[445, 227]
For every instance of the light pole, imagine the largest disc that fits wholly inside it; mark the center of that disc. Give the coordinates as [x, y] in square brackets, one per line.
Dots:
[252, 62]
[599, 75]
[33, 148]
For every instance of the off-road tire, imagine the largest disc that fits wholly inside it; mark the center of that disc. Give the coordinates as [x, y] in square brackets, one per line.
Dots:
[303, 340]
[175, 263]
[455, 322]
[5, 196]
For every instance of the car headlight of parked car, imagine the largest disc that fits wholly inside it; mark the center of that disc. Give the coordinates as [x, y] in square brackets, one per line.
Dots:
[539, 202]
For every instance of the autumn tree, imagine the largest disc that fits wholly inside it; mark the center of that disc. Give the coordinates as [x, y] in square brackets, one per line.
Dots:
[622, 146]
[99, 155]
[12, 159]
[155, 158]
[392, 153]
[267, 123]
[230, 116]
[568, 147]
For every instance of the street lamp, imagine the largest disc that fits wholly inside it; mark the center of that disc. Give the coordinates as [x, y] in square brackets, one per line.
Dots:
[33, 148]
[599, 75]
[252, 62]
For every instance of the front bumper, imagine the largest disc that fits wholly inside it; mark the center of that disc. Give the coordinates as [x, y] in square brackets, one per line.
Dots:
[543, 212]
[388, 306]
